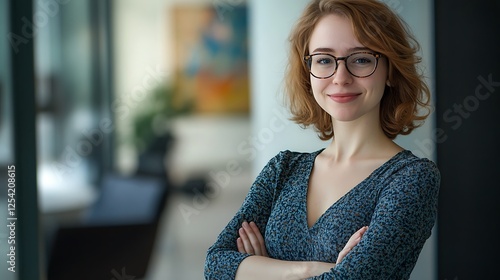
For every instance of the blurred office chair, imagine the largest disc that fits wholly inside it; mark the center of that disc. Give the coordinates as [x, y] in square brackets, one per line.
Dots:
[116, 236]
[152, 162]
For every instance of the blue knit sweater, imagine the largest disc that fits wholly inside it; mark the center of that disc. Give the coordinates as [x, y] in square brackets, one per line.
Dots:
[398, 202]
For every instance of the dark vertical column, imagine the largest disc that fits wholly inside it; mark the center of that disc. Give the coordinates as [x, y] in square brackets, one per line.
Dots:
[102, 79]
[22, 62]
[468, 114]
[109, 93]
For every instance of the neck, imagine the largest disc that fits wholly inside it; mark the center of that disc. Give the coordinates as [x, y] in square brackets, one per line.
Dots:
[359, 139]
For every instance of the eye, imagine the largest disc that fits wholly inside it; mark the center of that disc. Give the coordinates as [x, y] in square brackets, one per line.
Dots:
[362, 60]
[323, 60]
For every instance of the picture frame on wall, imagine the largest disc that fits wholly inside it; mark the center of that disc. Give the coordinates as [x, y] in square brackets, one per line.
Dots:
[211, 59]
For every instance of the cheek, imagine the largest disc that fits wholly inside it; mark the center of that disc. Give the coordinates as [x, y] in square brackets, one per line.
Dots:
[318, 85]
[380, 87]
[376, 90]
[383, 70]
[379, 79]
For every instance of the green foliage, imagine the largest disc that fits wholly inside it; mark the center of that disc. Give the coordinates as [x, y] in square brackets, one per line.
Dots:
[153, 117]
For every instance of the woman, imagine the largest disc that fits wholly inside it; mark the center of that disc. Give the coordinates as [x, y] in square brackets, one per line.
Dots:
[363, 207]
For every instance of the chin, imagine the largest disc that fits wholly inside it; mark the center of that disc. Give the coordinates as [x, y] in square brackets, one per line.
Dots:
[343, 119]
[342, 115]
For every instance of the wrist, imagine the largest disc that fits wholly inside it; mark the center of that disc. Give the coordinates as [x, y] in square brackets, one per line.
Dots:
[298, 270]
[316, 268]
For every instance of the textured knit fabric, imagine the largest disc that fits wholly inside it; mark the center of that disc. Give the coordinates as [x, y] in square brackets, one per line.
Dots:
[398, 201]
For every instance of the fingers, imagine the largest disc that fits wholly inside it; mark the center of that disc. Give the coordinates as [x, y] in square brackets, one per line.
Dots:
[252, 235]
[251, 240]
[260, 239]
[352, 242]
[356, 237]
[247, 242]
[241, 247]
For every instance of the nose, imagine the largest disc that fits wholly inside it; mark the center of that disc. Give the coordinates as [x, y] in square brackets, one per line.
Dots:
[342, 76]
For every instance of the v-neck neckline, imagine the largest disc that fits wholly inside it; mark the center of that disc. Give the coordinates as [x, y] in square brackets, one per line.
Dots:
[353, 189]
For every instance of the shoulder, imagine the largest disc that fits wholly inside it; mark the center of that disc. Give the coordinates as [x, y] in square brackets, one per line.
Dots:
[408, 171]
[289, 159]
[420, 167]
[406, 163]
[287, 162]
[297, 156]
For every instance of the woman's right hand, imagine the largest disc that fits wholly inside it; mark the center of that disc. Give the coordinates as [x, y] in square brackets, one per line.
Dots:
[251, 240]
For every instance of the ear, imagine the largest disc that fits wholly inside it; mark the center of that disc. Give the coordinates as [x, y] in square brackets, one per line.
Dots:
[388, 83]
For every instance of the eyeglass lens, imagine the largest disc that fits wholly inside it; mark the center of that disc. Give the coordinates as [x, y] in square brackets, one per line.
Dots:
[358, 64]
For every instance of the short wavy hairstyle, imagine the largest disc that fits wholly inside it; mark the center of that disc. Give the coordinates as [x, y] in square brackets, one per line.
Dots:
[404, 105]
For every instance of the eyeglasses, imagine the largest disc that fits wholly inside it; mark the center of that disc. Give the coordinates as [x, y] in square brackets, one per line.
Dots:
[359, 64]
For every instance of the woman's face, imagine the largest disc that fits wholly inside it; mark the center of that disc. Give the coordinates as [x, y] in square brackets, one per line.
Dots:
[344, 96]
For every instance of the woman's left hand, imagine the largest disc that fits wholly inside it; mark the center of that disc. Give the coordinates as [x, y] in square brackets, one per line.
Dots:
[251, 240]
[351, 243]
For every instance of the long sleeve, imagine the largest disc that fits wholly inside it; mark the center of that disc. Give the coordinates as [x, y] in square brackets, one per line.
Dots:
[401, 223]
[223, 258]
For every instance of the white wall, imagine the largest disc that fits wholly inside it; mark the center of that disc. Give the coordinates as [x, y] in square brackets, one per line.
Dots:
[419, 16]
[271, 22]
[140, 44]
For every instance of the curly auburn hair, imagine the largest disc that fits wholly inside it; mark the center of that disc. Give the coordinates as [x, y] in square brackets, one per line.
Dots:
[378, 28]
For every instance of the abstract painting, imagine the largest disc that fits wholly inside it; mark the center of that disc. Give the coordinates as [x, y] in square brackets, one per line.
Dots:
[211, 53]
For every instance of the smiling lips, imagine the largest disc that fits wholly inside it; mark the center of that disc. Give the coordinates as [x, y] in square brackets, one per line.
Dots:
[344, 97]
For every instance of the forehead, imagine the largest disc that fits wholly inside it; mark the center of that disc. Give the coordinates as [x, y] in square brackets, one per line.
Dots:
[334, 32]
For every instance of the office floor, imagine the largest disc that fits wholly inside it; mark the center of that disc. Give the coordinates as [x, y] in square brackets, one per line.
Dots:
[183, 239]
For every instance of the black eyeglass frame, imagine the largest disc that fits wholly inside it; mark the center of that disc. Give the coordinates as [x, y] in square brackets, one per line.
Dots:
[308, 61]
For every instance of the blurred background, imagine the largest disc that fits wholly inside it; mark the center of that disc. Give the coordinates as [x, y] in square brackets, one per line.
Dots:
[151, 119]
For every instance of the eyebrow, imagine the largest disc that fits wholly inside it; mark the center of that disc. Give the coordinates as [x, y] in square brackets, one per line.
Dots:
[329, 50]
